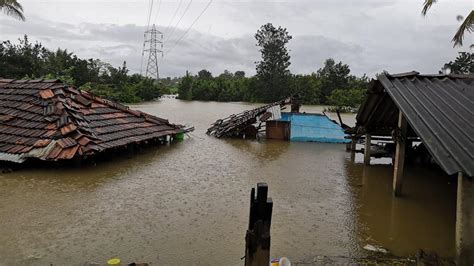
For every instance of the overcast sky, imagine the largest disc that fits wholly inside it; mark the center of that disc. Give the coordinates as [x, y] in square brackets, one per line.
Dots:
[369, 35]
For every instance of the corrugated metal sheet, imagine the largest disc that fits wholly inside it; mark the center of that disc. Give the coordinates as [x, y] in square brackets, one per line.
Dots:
[49, 120]
[439, 109]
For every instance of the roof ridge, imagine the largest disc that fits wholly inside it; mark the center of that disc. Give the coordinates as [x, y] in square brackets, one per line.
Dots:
[417, 74]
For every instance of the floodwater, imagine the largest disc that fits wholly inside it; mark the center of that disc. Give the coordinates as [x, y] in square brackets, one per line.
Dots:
[187, 203]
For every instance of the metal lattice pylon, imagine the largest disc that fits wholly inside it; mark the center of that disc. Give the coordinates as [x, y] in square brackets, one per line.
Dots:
[154, 44]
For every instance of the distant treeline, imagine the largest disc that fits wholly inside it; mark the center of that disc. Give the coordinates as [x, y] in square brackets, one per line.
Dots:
[332, 85]
[33, 60]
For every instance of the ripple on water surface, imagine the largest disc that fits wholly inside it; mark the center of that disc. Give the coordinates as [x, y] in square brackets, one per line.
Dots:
[188, 202]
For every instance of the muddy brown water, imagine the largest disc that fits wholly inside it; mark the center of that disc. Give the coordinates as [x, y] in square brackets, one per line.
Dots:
[187, 203]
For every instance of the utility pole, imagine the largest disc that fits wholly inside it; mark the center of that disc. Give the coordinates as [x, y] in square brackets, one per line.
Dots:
[154, 44]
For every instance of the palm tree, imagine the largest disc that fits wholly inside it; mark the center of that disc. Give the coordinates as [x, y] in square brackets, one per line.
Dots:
[467, 25]
[12, 8]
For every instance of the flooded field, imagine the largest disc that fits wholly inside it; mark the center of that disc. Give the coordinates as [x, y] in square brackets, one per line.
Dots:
[187, 203]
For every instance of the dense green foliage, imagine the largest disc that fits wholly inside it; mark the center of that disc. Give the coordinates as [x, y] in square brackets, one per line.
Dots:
[463, 64]
[331, 84]
[28, 60]
[273, 75]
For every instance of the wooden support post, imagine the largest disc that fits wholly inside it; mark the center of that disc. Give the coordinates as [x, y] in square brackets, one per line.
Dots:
[257, 238]
[367, 149]
[400, 138]
[353, 145]
[465, 221]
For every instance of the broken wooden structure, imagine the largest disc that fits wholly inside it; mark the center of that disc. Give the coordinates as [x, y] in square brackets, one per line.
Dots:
[257, 237]
[275, 124]
[437, 111]
[48, 120]
[242, 124]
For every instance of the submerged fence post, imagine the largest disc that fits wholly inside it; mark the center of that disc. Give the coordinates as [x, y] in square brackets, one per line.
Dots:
[257, 238]
[367, 149]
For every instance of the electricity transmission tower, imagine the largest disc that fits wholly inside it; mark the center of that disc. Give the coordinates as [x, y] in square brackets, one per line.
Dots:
[153, 43]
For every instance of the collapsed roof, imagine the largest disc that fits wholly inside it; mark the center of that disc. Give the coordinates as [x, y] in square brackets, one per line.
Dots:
[49, 120]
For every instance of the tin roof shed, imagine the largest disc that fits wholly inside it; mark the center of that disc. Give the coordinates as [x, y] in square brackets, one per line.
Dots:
[49, 120]
[438, 108]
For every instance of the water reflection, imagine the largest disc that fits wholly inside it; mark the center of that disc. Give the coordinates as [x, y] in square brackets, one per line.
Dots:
[187, 203]
[263, 150]
[423, 218]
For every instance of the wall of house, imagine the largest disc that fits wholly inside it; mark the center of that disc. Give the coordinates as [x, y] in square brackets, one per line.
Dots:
[314, 127]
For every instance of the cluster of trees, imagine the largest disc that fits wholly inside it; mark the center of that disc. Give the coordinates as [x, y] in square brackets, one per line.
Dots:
[332, 84]
[32, 60]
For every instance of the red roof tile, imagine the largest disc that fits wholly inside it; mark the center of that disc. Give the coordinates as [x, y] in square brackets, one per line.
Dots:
[46, 94]
[41, 143]
[68, 128]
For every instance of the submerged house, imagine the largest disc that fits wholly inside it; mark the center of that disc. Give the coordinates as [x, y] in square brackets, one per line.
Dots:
[51, 121]
[305, 127]
[292, 126]
[437, 112]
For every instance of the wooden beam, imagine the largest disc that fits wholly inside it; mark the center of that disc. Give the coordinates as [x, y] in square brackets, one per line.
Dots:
[353, 145]
[465, 220]
[400, 139]
[367, 149]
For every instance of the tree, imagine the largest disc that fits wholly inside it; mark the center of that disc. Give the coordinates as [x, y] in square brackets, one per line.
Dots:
[466, 25]
[204, 74]
[226, 75]
[333, 76]
[23, 59]
[273, 74]
[347, 98]
[12, 8]
[147, 89]
[239, 74]
[463, 64]
[308, 87]
[185, 90]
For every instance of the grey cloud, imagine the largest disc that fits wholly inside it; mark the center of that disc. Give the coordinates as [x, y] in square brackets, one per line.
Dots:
[360, 34]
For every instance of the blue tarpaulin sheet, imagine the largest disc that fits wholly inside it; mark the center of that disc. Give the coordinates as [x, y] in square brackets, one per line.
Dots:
[314, 127]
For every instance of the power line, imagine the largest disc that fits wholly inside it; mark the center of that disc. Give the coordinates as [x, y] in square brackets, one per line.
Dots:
[150, 7]
[189, 28]
[175, 26]
[157, 11]
[172, 18]
[149, 15]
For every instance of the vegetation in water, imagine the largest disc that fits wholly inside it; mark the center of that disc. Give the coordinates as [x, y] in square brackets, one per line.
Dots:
[332, 84]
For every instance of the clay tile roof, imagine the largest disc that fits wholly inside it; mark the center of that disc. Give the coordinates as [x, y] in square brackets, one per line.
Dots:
[46, 94]
[49, 120]
[68, 128]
